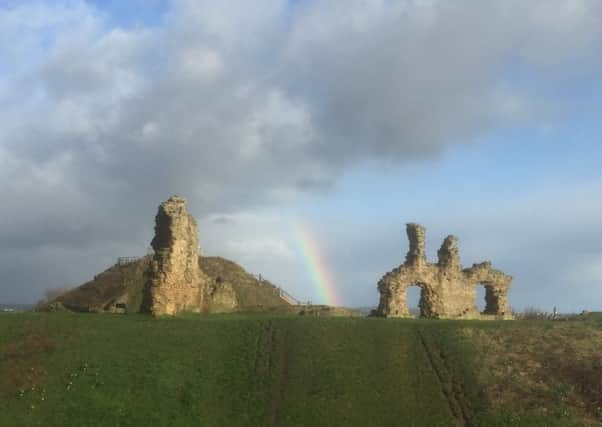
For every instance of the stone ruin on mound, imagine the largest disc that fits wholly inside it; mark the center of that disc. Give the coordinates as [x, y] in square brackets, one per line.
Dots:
[447, 290]
[174, 281]
[173, 278]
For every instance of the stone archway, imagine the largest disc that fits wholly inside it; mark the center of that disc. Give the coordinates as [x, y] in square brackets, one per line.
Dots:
[414, 299]
[495, 298]
[395, 298]
[480, 298]
[425, 310]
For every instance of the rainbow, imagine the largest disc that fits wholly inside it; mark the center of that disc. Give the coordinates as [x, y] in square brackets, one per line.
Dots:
[315, 262]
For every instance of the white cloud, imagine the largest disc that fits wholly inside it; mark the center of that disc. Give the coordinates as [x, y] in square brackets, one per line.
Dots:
[563, 31]
[238, 105]
[199, 63]
[149, 131]
[587, 268]
[258, 249]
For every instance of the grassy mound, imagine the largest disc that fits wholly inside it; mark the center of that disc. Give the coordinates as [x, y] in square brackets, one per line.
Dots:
[119, 288]
[117, 283]
[250, 291]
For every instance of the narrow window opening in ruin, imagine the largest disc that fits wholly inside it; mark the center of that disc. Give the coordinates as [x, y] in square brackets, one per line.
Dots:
[481, 298]
[413, 297]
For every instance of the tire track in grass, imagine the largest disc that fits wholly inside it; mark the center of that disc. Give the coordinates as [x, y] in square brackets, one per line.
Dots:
[263, 367]
[453, 395]
[281, 352]
[264, 344]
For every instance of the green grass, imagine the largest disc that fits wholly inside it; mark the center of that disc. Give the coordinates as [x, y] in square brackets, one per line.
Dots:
[241, 370]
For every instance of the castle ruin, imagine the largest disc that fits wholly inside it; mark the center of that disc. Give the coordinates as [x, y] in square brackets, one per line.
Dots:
[174, 280]
[447, 290]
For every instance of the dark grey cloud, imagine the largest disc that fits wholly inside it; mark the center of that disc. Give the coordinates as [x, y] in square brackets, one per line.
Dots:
[238, 105]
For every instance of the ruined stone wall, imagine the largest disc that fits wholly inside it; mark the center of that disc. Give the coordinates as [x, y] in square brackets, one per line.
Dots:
[174, 281]
[447, 290]
[222, 298]
[416, 255]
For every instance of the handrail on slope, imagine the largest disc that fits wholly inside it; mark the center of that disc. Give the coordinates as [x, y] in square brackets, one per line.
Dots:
[125, 260]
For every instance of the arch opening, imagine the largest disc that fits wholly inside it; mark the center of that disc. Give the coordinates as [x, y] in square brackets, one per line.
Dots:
[481, 301]
[414, 298]
[488, 300]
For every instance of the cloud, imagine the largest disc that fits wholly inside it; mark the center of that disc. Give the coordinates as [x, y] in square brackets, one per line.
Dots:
[588, 269]
[262, 248]
[237, 105]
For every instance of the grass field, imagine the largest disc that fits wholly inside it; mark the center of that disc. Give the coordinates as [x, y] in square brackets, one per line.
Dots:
[259, 370]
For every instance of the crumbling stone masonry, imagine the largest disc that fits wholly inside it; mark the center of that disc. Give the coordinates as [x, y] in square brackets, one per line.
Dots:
[174, 281]
[447, 290]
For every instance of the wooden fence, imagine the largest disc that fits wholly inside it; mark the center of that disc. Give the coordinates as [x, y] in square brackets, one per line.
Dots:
[288, 297]
[125, 260]
[282, 293]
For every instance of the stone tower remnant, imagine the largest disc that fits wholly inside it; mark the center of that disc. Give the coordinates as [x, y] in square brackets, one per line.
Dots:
[447, 290]
[174, 281]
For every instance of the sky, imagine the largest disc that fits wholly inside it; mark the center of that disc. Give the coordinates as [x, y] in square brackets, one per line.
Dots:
[304, 135]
